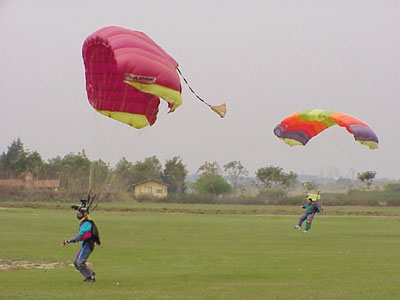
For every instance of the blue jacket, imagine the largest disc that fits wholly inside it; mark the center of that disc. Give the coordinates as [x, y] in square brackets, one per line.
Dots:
[84, 233]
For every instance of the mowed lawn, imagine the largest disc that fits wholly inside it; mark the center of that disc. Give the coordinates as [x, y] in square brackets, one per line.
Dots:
[153, 255]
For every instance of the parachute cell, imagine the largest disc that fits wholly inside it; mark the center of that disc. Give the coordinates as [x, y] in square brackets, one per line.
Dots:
[126, 74]
[299, 128]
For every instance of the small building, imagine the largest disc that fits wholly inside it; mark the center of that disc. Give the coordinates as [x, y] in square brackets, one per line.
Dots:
[150, 188]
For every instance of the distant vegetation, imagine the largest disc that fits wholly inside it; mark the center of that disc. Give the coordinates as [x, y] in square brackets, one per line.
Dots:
[212, 184]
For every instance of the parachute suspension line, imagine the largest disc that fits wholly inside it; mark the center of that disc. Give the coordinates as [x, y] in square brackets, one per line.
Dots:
[101, 134]
[94, 141]
[190, 88]
[219, 109]
[112, 139]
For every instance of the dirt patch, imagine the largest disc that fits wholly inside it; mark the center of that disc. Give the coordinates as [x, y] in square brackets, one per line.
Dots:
[9, 264]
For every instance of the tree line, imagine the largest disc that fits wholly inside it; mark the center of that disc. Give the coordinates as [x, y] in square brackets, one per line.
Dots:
[77, 172]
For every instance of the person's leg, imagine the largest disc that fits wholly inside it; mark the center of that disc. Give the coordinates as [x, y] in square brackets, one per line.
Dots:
[76, 258]
[80, 261]
[309, 221]
[301, 220]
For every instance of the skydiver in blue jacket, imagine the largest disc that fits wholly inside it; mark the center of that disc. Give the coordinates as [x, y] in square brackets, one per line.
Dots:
[87, 235]
[311, 208]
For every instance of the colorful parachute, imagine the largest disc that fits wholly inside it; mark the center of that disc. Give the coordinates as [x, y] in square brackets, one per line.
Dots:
[300, 127]
[126, 73]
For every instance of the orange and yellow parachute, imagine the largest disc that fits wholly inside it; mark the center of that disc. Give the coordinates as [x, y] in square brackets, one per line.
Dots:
[299, 128]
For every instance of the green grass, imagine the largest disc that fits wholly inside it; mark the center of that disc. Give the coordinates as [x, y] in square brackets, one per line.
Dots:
[215, 209]
[156, 255]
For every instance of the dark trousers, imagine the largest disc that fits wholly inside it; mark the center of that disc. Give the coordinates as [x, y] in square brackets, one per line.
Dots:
[307, 217]
[80, 260]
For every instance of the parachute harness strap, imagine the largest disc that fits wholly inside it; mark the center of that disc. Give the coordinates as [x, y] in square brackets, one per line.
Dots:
[194, 93]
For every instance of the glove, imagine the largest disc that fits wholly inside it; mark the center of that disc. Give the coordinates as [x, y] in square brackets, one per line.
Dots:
[64, 242]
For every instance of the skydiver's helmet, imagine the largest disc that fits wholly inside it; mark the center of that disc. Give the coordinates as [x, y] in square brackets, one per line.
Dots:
[82, 210]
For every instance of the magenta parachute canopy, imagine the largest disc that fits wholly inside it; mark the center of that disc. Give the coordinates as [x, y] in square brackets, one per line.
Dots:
[126, 74]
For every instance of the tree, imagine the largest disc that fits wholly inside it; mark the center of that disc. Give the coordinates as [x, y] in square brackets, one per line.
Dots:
[273, 177]
[174, 175]
[13, 162]
[149, 169]
[209, 168]
[367, 177]
[3, 165]
[288, 180]
[269, 175]
[53, 169]
[212, 184]
[75, 171]
[34, 164]
[236, 171]
[17, 161]
[123, 175]
[18, 165]
[99, 171]
[210, 181]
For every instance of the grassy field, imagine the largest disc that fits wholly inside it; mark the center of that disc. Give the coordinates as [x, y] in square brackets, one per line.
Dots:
[209, 253]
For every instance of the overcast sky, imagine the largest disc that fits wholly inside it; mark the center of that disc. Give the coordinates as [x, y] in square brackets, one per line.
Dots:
[265, 59]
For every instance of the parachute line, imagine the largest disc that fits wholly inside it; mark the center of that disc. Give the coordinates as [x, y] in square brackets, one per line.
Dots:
[190, 88]
[219, 109]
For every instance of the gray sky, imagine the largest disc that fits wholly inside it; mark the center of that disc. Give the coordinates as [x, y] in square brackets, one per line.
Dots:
[266, 59]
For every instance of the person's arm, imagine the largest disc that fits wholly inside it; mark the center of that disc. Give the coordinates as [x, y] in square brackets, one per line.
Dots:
[71, 240]
[75, 239]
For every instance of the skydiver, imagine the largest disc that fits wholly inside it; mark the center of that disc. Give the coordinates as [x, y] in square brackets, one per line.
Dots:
[88, 235]
[311, 207]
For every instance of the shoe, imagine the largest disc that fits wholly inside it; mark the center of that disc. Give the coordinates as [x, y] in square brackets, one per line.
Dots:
[296, 227]
[305, 231]
[90, 279]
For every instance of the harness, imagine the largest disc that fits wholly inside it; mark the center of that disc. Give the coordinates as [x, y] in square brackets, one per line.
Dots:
[91, 237]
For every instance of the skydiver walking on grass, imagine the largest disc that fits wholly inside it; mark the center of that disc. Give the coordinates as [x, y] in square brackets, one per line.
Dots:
[88, 235]
[311, 208]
